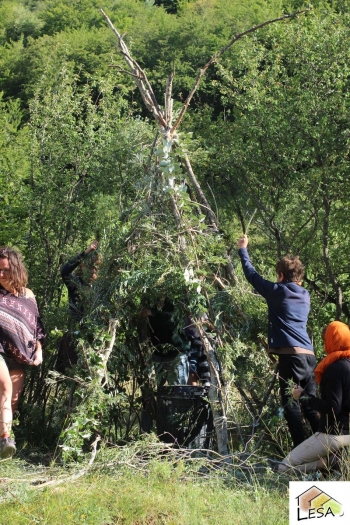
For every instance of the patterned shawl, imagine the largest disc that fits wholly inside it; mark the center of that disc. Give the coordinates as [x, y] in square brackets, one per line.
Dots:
[20, 326]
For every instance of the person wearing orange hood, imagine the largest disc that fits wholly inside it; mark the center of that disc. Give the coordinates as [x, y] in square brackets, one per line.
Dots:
[333, 374]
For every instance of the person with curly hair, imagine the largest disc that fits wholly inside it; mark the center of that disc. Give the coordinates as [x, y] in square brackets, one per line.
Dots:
[77, 274]
[21, 333]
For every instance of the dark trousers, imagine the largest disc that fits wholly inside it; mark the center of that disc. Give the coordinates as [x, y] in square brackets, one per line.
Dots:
[198, 360]
[298, 368]
[67, 355]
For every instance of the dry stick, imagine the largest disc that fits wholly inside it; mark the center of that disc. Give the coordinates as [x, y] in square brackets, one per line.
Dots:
[106, 352]
[216, 403]
[121, 70]
[152, 150]
[150, 91]
[168, 100]
[217, 406]
[218, 54]
[250, 221]
[78, 474]
[140, 78]
[200, 193]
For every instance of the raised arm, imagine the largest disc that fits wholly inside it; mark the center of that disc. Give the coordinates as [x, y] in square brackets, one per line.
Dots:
[68, 268]
[262, 286]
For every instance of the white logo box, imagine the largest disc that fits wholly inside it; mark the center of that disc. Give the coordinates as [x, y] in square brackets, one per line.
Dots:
[325, 501]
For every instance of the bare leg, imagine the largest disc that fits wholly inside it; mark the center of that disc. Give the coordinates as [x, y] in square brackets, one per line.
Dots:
[5, 399]
[17, 379]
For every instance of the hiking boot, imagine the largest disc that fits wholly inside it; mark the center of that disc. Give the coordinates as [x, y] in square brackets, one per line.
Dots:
[7, 447]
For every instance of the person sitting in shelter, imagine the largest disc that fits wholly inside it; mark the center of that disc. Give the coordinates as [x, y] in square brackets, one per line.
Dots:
[199, 369]
[86, 265]
[170, 363]
[170, 345]
[333, 434]
[179, 360]
[288, 306]
[178, 354]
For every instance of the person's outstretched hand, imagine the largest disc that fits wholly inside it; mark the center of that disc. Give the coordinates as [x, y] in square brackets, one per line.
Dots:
[92, 247]
[243, 241]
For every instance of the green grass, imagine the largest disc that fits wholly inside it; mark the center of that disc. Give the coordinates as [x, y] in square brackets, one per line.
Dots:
[123, 489]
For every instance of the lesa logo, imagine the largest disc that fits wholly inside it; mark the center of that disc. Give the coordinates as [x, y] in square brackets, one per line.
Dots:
[326, 501]
[315, 503]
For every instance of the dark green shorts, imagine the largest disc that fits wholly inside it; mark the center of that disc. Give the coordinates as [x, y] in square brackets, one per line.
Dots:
[11, 363]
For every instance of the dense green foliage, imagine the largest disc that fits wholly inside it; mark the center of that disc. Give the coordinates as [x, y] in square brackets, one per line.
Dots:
[268, 136]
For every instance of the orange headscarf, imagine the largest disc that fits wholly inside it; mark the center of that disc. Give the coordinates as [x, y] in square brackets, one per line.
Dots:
[336, 345]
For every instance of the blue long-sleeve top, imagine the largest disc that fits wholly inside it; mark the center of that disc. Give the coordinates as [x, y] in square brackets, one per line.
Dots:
[288, 305]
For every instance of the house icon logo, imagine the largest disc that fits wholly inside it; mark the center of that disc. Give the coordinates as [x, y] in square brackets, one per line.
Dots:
[316, 503]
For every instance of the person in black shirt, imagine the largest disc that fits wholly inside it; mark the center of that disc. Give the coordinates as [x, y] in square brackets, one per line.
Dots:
[178, 357]
[86, 272]
[85, 267]
[333, 374]
[199, 370]
[178, 353]
[169, 343]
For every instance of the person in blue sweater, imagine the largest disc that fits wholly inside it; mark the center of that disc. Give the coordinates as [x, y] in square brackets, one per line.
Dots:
[288, 309]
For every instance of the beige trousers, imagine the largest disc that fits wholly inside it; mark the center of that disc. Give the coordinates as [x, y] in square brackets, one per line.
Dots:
[314, 453]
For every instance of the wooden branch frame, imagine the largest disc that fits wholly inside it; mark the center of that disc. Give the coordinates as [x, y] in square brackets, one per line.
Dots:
[215, 57]
[140, 77]
[210, 214]
[145, 88]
